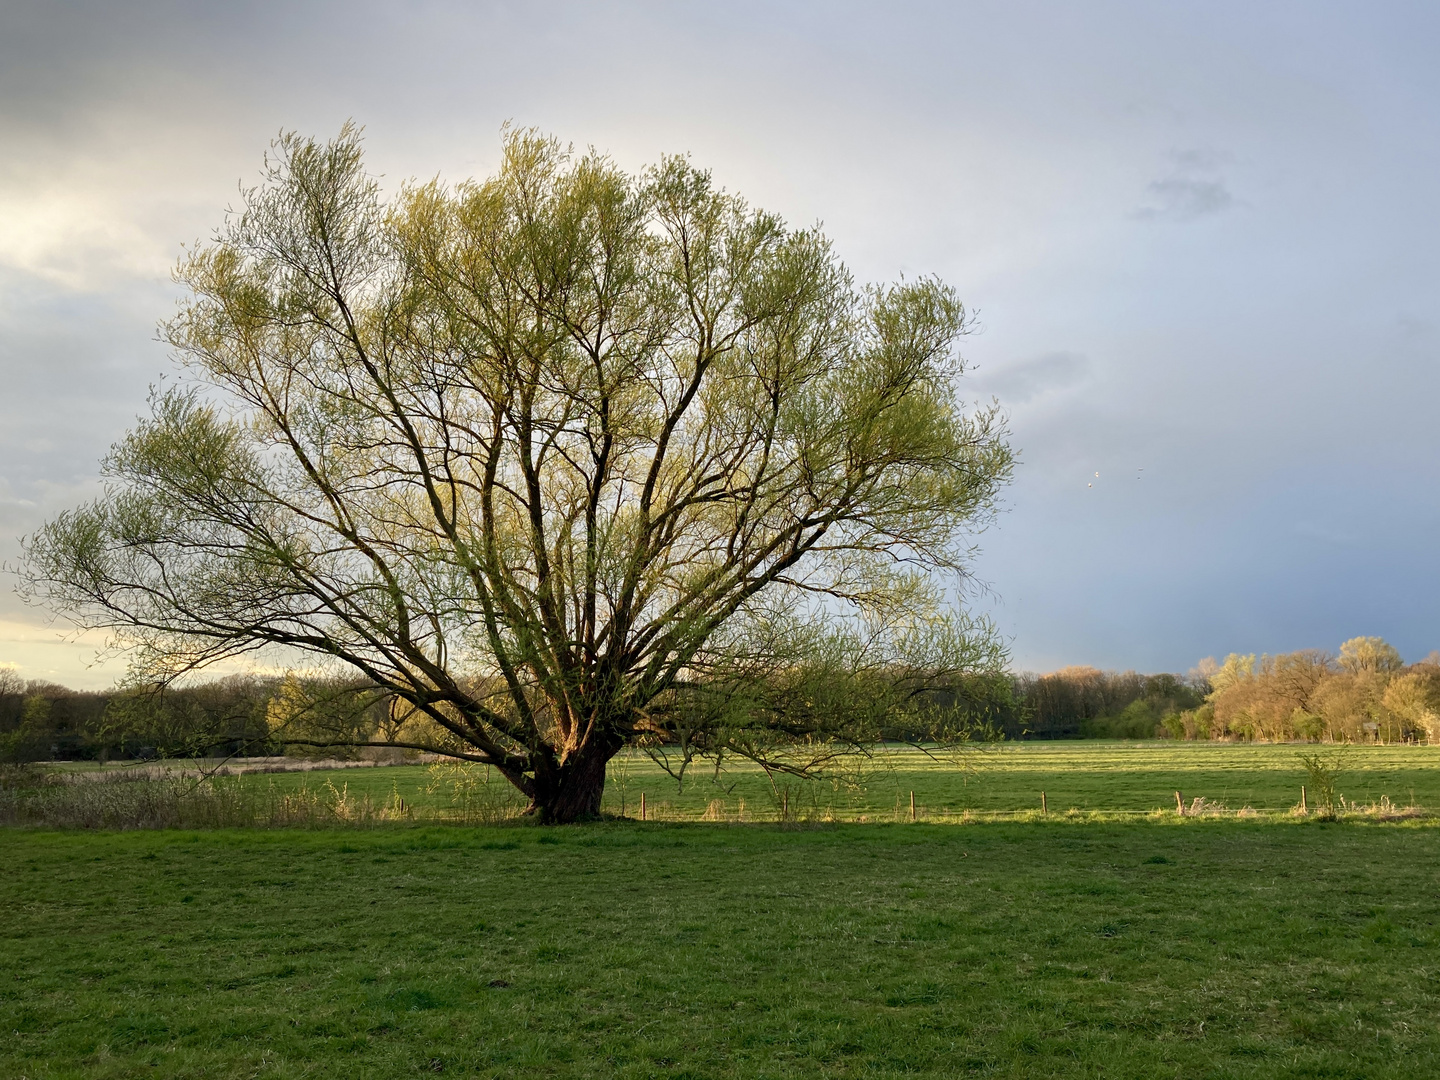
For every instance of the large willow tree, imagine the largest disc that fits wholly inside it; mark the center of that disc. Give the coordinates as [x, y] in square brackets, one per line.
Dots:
[560, 460]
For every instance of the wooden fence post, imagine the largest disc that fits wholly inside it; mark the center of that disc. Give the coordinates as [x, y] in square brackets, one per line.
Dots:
[1303, 808]
[912, 806]
[1044, 809]
[642, 806]
[1179, 805]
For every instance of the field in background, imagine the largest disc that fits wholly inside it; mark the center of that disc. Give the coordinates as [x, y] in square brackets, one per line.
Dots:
[1088, 776]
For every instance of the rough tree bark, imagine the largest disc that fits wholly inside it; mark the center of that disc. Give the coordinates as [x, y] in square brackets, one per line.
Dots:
[572, 791]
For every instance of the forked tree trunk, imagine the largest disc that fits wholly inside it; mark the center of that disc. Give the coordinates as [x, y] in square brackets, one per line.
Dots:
[572, 791]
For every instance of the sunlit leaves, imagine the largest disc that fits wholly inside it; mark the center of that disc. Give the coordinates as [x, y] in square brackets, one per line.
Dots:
[563, 434]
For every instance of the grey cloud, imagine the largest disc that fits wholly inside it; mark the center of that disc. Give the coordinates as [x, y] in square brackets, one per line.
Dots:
[1199, 160]
[1193, 189]
[1185, 200]
[1022, 382]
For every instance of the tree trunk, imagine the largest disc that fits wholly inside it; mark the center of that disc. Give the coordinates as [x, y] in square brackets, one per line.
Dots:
[570, 792]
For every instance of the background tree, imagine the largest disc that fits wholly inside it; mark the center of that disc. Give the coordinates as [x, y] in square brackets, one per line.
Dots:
[1271, 699]
[1369, 655]
[1084, 702]
[563, 459]
[1413, 700]
[1366, 694]
[326, 718]
[41, 720]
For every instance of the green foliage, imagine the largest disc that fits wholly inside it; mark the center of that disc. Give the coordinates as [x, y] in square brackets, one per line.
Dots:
[226, 716]
[41, 721]
[1084, 702]
[25, 739]
[1139, 720]
[1323, 772]
[324, 717]
[44, 721]
[564, 459]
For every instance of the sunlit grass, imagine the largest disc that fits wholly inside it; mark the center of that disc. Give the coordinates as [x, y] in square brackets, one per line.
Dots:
[1090, 777]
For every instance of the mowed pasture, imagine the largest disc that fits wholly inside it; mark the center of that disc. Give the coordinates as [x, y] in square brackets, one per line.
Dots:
[1210, 948]
[998, 780]
[1117, 941]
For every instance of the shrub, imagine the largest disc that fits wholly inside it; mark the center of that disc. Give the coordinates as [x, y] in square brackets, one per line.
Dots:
[1322, 771]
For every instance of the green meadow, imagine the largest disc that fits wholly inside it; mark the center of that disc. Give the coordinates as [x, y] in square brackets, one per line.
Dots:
[1092, 944]
[1004, 779]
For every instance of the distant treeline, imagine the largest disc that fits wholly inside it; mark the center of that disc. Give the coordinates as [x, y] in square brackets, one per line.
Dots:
[44, 721]
[1086, 703]
[1364, 693]
[239, 715]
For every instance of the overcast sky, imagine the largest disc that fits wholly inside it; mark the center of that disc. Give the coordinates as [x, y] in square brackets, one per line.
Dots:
[1202, 241]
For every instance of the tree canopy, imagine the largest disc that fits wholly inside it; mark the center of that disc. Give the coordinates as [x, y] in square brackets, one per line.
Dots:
[1366, 693]
[561, 459]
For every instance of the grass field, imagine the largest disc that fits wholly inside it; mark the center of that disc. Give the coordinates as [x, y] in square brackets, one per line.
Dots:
[1086, 776]
[1210, 948]
[1070, 946]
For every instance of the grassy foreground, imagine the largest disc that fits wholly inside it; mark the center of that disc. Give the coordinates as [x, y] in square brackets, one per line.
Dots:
[1205, 948]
